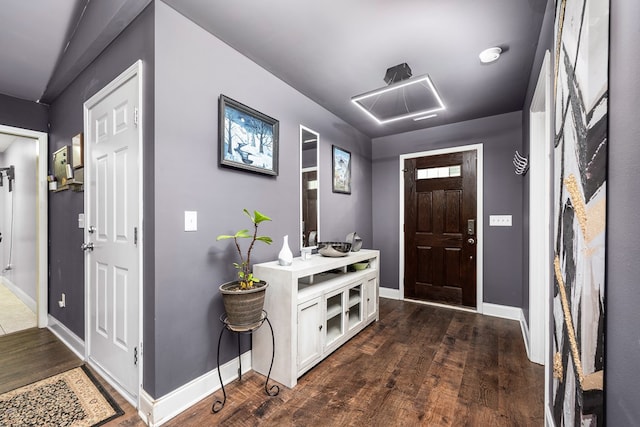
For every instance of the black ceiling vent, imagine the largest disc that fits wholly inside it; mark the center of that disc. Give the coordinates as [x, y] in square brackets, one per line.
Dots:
[397, 73]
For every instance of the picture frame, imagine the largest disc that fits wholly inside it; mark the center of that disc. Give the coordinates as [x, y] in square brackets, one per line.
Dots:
[248, 139]
[341, 170]
[77, 150]
[60, 161]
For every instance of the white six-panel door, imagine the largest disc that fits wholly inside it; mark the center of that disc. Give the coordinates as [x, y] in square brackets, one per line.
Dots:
[112, 228]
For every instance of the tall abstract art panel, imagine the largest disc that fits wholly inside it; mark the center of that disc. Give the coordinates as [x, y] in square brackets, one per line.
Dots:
[581, 107]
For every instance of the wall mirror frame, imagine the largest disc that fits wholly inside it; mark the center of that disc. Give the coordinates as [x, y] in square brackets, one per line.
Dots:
[309, 187]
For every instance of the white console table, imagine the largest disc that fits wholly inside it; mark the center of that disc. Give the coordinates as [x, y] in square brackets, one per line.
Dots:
[315, 306]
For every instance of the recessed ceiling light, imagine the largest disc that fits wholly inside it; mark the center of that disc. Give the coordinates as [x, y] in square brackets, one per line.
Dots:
[490, 55]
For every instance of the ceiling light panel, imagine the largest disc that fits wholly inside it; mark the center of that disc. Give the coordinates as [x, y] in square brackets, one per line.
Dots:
[401, 100]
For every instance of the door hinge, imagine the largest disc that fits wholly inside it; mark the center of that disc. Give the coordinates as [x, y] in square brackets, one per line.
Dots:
[135, 236]
[135, 356]
[135, 116]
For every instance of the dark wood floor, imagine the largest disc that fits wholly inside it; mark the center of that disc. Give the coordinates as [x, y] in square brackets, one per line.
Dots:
[419, 365]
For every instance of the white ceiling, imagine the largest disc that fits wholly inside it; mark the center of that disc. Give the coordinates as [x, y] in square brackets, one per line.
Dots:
[329, 50]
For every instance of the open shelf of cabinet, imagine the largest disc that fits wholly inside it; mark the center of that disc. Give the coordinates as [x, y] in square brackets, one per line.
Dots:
[315, 306]
[354, 297]
[334, 306]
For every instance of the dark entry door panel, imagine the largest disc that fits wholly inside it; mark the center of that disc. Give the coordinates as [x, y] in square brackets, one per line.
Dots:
[440, 249]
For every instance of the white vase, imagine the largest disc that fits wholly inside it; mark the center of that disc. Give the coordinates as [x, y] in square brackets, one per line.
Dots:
[285, 257]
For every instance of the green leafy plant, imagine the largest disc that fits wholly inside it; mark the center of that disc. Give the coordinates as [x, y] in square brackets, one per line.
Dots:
[245, 276]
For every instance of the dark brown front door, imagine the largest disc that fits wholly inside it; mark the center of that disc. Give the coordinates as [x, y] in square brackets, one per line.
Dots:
[440, 228]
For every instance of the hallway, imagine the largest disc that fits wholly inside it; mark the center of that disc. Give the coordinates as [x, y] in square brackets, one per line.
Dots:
[419, 365]
[14, 314]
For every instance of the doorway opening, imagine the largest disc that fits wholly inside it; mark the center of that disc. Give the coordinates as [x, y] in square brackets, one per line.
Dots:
[457, 245]
[23, 223]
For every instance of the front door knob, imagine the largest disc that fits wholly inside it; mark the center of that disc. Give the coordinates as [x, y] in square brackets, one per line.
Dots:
[87, 246]
[471, 241]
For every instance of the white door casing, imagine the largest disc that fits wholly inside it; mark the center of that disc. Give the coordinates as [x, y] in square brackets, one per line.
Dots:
[540, 147]
[540, 228]
[113, 190]
[42, 293]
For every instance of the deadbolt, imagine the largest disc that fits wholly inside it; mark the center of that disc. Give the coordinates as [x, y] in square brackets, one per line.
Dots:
[471, 241]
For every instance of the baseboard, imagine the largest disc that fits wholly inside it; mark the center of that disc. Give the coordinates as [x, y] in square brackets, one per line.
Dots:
[548, 417]
[502, 311]
[389, 293]
[511, 313]
[65, 335]
[525, 333]
[22, 296]
[156, 412]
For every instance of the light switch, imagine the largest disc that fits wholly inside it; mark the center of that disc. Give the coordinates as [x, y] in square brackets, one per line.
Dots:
[81, 220]
[500, 220]
[190, 220]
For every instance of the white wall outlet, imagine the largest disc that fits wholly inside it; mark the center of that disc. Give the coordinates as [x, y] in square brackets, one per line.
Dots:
[63, 301]
[500, 220]
[190, 221]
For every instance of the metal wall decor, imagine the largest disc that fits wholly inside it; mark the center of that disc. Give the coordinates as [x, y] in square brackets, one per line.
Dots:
[521, 163]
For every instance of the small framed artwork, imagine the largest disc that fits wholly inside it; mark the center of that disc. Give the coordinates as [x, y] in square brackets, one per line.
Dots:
[341, 161]
[61, 167]
[77, 150]
[248, 139]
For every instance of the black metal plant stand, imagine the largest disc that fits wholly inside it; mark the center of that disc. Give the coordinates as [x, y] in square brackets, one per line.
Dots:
[270, 391]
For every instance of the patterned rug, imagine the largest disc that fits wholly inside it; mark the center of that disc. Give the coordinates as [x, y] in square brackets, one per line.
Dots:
[72, 398]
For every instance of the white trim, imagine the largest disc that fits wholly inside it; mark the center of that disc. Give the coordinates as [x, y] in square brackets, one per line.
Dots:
[437, 304]
[317, 169]
[479, 213]
[390, 293]
[548, 417]
[67, 337]
[510, 313]
[540, 142]
[525, 333]
[20, 294]
[42, 248]
[156, 412]
[134, 71]
[502, 311]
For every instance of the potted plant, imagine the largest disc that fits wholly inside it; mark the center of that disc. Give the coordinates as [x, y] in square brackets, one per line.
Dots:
[244, 298]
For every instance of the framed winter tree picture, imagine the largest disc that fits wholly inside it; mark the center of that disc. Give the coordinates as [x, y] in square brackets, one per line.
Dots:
[248, 139]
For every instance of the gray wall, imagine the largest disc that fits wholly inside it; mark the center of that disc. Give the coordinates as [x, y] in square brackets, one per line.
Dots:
[66, 260]
[23, 114]
[501, 136]
[545, 42]
[20, 205]
[192, 69]
[623, 236]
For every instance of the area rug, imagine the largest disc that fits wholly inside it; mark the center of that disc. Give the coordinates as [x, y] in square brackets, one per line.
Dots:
[73, 398]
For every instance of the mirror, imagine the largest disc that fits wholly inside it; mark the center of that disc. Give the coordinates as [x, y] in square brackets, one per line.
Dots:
[309, 179]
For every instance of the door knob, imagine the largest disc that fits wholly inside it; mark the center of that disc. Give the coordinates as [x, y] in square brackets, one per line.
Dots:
[87, 246]
[471, 241]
